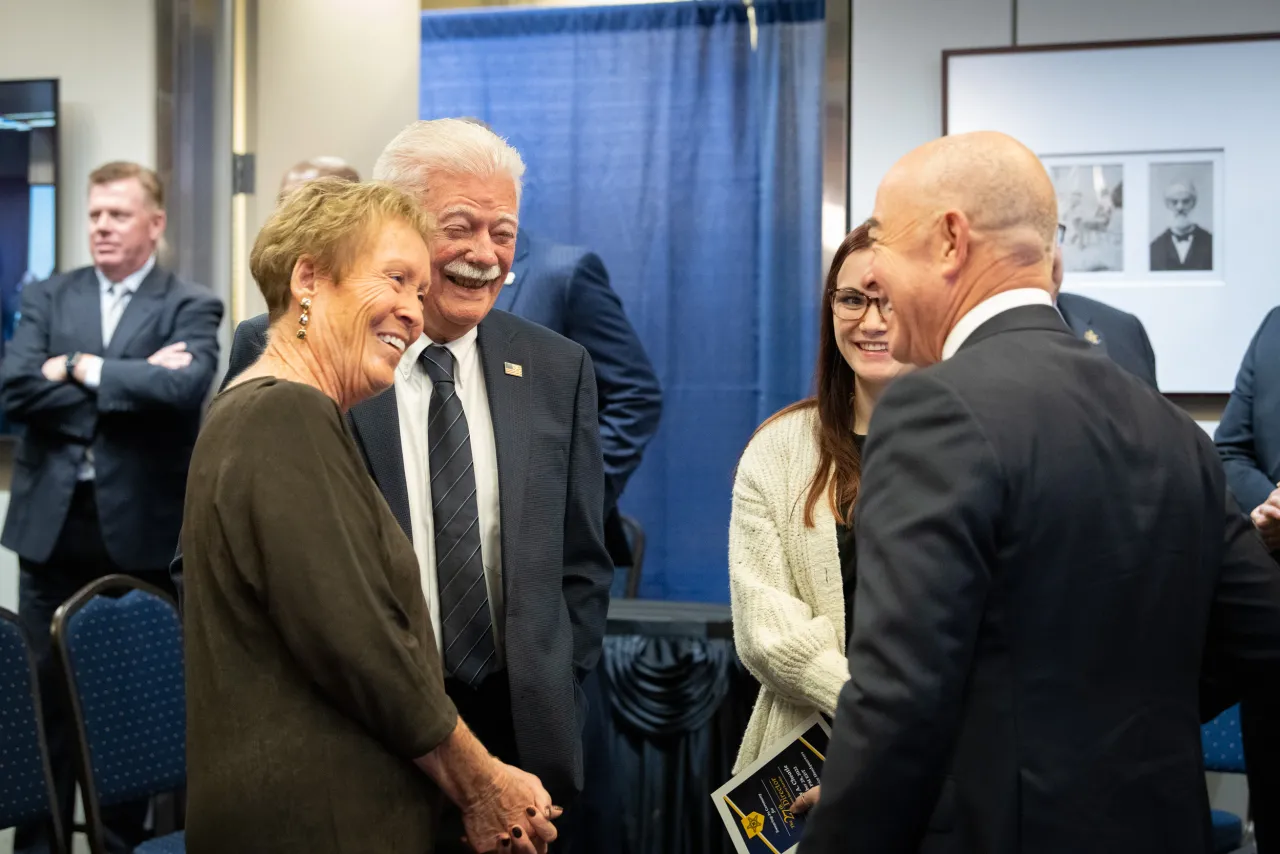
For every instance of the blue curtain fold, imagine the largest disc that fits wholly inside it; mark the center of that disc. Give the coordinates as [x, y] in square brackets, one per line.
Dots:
[690, 160]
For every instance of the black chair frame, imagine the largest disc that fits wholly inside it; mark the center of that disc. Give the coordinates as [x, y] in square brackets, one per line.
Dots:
[88, 789]
[55, 819]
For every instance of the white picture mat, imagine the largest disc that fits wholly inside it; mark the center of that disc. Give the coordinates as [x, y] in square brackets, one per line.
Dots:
[1097, 103]
[1137, 237]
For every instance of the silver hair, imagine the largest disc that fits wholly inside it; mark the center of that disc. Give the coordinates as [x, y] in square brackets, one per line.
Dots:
[456, 146]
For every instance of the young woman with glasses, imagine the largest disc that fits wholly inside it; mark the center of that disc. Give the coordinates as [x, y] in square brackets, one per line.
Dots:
[791, 546]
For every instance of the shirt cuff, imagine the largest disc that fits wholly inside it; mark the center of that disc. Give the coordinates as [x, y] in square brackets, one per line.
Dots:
[92, 371]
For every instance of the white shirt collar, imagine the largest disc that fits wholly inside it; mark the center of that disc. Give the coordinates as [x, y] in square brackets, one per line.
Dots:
[463, 350]
[989, 308]
[131, 282]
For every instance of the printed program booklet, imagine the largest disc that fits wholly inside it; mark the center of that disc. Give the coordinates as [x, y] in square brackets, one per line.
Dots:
[756, 804]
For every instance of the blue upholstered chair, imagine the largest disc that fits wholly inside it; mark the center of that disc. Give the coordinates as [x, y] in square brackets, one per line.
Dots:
[26, 786]
[122, 656]
[1224, 753]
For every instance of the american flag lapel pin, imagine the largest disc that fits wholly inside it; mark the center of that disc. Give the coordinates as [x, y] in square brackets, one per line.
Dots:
[513, 369]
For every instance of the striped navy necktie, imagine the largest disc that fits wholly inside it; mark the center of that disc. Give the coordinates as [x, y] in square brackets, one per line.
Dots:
[464, 601]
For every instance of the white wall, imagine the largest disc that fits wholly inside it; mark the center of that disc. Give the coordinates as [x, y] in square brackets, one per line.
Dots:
[104, 53]
[334, 77]
[897, 57]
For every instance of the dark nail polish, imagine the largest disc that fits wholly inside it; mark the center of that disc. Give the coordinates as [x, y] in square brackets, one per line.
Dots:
[531, 811]
[516, 832]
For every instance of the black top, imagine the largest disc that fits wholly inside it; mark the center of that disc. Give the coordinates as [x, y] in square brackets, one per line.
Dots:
[848, 546]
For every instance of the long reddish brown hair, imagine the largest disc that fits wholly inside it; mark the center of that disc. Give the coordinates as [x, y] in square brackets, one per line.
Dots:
[839, 469]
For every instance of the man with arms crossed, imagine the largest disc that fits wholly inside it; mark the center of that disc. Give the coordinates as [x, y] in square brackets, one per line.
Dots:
[1045, 547]
[108, 370]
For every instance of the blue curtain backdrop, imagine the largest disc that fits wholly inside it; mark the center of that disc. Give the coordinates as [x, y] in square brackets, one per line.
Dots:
[690, 160]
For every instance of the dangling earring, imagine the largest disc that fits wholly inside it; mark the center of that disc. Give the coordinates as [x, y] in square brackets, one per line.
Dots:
[306, 317]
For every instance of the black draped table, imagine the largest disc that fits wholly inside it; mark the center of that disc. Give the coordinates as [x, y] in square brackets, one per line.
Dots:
[668, 706]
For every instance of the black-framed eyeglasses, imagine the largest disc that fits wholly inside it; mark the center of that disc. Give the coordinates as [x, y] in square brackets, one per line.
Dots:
[1062, 234]
[852, 304]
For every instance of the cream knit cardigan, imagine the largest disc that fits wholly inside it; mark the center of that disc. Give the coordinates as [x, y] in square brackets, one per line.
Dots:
[785, 583]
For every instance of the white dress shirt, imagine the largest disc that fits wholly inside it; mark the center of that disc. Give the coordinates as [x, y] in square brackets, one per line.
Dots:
[989, 308]
[1183, 247]
[114, 298]
[413, 400]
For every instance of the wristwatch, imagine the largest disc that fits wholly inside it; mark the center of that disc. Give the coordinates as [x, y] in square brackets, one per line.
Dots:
[71, 366]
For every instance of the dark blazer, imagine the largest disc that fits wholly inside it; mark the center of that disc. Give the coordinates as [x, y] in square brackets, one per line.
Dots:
[1200, 257]
[1248, 436]
[1248, 440]
[141, 421]
[1117, 333]
[1045, 544]
[555, 570]
[566, 289]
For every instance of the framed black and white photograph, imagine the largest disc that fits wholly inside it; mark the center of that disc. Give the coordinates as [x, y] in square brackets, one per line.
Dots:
[1192, 209]
[1091, 206]
[1181, 215]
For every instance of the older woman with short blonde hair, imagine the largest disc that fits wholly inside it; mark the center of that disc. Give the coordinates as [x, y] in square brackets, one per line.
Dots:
[317, 716]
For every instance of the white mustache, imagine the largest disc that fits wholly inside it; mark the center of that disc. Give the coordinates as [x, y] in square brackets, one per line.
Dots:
[463, 270]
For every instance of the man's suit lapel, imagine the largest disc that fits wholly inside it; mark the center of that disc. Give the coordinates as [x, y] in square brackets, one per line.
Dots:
[376, 423]
[142, 306]
[508, 372]
[86, 297]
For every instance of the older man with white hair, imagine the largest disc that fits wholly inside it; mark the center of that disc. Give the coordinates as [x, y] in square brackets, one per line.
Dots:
[487, 450]
[1185, 244]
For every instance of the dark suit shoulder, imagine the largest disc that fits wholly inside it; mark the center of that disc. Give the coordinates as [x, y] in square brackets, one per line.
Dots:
[254, 327]
[1078, 305]
[552, 259]
[58, 281]
[537, 335]
[1270, 324]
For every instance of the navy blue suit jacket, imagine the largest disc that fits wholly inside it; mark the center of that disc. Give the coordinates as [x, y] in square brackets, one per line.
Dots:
[1117, 333]
[566, 289]
[141, 421]
[1248, 436]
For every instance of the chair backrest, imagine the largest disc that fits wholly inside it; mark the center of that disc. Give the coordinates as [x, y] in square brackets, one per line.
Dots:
[26, 786]
[122, 657]
[1222, 743]
[635, 538]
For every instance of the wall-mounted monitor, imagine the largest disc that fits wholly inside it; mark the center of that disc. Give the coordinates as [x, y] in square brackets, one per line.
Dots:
[28, 193]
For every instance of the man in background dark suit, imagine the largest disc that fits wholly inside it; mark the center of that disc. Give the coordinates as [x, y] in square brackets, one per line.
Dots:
[552, 569]
[107, 370]
[1117, 333]
[566, 289]
[1184, 245]
[1045, 546]
[1248, 440]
